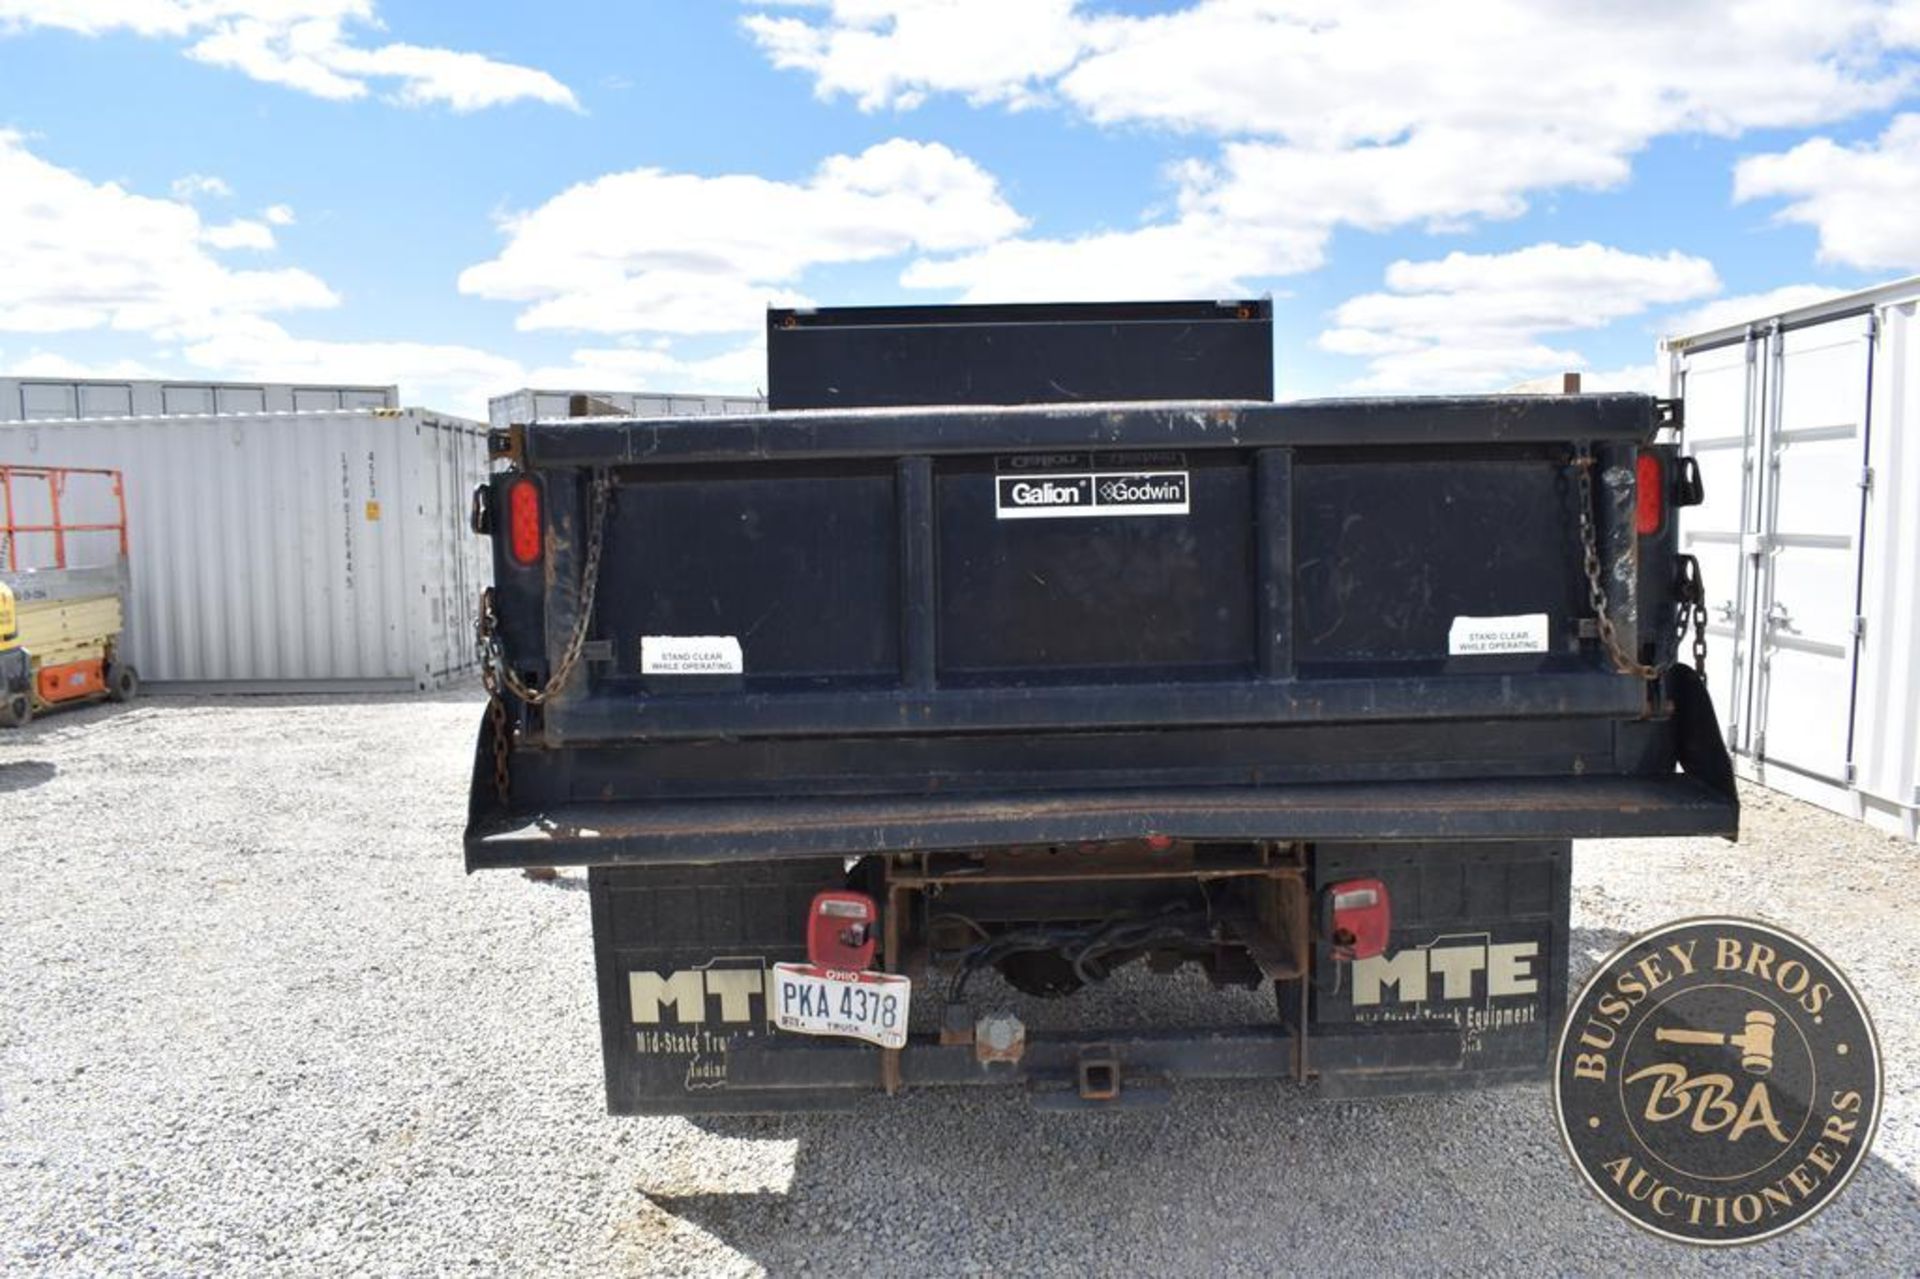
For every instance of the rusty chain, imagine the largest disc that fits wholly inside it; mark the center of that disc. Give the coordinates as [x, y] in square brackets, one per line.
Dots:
[496, 673]
[1692, 591]
[502, 746]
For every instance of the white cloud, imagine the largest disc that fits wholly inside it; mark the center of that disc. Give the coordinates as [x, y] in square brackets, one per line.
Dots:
[241, 233]
[1197, 256]
[190, 185]
[305, 45]
[894, 54]
[1861, 199]
[651, 251]
[447, 376]
[1745, 307]
[1335, 114]
[278, 214]
[75, 254]
[457, 378]
[1601, 77]
[1479, 321]
[50, 364]
[739, 370]
[1643, 378]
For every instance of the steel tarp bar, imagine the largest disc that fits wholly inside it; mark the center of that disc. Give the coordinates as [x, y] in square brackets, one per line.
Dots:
[896, 432]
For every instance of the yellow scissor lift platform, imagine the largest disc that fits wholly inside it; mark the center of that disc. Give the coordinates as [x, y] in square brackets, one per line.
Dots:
[63, 588]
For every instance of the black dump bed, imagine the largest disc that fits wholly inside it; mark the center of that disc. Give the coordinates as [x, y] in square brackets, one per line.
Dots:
[886, 626]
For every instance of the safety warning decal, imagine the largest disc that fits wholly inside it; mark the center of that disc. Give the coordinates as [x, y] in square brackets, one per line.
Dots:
[691, 655]
[1523, 633]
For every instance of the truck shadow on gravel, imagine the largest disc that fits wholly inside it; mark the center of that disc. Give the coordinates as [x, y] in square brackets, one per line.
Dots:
[1222, 1179]
[25, 774]
[1228, 1179]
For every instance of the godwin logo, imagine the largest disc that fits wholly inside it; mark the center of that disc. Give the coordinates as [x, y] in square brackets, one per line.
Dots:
[1128, 488]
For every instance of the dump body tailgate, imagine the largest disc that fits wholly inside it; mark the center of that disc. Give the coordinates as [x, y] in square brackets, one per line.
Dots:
[896, 628]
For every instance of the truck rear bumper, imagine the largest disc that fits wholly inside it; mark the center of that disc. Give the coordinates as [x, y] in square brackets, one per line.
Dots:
[710, 831]
[1132, 1064]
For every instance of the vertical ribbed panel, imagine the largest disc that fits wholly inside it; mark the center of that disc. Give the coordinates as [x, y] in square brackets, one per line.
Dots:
[256, 558]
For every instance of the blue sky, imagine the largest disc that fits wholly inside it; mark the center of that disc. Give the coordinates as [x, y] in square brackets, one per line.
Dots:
[468, 198]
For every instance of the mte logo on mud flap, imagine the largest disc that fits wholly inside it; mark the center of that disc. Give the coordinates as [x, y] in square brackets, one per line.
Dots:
[1448, 970]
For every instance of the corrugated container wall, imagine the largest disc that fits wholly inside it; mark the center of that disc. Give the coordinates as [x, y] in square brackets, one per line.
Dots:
[529, 405]
[26, 399]
[1809, 542]
[298, 551]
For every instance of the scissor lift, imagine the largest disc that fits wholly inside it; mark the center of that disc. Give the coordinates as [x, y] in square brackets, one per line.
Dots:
[63, 588]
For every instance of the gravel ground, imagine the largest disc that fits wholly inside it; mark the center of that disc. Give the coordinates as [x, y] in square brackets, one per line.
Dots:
[257, 1019]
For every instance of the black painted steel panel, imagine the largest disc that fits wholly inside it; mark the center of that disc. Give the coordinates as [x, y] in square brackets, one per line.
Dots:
[864, 356]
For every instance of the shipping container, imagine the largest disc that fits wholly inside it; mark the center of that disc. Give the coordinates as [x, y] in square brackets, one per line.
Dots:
[1803, 424]
[529, 405]
[324, 551]
[30, 399]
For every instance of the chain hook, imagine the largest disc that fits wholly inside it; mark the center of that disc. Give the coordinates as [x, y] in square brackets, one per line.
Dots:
[496, 673]
[1690, 592]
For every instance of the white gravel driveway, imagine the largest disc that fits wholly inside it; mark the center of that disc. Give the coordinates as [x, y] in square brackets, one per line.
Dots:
[255, 1018]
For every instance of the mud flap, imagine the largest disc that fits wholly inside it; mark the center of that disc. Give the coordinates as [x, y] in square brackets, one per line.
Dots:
[682, 955]
[1698, 742]
[1479, 941]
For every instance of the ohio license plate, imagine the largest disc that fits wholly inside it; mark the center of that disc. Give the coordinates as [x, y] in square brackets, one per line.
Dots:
[820, 1001]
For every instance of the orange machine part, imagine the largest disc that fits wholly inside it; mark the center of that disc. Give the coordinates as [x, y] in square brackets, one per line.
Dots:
[73, 680]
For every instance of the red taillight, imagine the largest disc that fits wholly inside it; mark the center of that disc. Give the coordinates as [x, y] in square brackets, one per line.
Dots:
[523, 521]
[840, 931]
[1359, 917]
[1650, 483]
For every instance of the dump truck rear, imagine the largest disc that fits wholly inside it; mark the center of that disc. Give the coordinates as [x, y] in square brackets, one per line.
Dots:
[1017, 645]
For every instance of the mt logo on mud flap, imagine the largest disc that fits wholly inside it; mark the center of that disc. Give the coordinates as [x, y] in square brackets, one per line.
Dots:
[685, 1018]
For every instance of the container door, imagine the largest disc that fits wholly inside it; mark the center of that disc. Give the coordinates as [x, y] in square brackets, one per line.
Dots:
[448, 588]
[1807, 561]
[1722, 388]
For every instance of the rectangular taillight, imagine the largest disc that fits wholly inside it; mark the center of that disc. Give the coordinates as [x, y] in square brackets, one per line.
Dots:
[1650, 488]
[841, 930]
[523, 520]
[1359, 917]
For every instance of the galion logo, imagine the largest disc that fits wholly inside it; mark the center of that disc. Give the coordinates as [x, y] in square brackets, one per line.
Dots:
[1048, 493]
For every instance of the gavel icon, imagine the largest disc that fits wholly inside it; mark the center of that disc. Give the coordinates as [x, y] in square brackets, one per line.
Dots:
[1755, 1042]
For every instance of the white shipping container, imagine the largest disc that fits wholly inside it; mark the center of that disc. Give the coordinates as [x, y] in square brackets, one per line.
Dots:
[30, 399]
[529, 405]
[1809, 542]
[295, 551]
